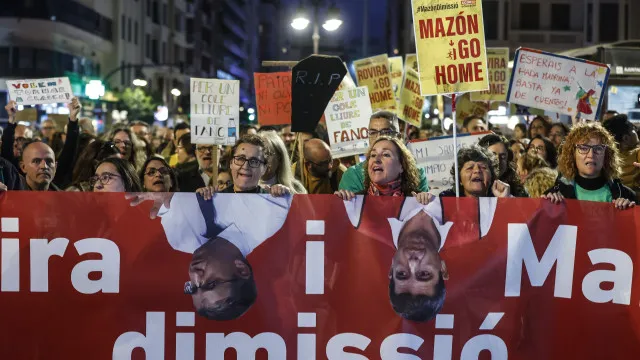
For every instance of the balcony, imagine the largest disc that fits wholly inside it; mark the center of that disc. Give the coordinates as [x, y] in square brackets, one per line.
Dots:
[235, 49]
[546, 39]
[237, 30]
[237, 9]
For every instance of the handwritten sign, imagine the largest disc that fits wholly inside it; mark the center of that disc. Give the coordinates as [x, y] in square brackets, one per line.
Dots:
[411, 101]
[347, 117]
[395, 67]
[374, 73]
[450, 46]
[40, 91]
[436, 157]
[215, 111]
[273, 97]
[498, 61]
[561, 84]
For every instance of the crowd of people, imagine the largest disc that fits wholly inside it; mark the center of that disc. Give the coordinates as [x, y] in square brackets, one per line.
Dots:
[595, 161]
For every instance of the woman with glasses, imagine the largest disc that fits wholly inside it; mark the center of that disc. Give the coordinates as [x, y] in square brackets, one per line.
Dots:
[115, 175]
[544, 148]
[279, 166]
[88, 161]
[157, 176]
[129, 146]
[590, 165]
[224, 181]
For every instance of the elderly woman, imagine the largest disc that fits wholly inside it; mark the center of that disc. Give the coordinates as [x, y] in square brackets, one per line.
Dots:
[115, 175]
[590, 165]
[478, 170]
[391, 171]
[158, 176]
[499, 146]
[544, 148]
[279, 166]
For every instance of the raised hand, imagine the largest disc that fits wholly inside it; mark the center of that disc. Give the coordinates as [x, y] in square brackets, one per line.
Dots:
[12, 110]
[74, 109]
[501, 189]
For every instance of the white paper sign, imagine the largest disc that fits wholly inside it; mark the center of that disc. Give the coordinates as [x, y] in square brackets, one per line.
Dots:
[561, 84]
[436, 157]
[347, 117]
[215, 111]
[40, 91]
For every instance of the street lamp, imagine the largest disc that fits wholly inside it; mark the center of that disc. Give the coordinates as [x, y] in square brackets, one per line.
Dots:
[175, 92]
[333, 19]
[300, 20]
[140, 82]
[333, 22]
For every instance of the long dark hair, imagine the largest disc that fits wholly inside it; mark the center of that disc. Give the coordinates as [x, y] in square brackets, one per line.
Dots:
[89, 159]
[552, 152]
[172, 174]
[510, 175]
[127, 172]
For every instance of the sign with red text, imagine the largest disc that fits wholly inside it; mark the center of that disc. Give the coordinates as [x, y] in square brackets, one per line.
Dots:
[450, 46]
[40, 91]
[557, 83]
[215, 111]
[411, 101]
[374, 73]
[273, 97]
[498, 63]
[347, 117]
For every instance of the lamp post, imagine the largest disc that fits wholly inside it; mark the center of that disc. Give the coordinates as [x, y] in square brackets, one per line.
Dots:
[332, 23]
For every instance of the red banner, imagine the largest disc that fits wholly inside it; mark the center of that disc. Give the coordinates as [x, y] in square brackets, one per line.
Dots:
[88, 276]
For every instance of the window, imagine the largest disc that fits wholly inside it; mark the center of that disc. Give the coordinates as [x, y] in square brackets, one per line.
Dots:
[178, 21]
[206, 64]
[177, 58]
[147, 42]
[135, 33]
[608, 23]
[148, 8]
[506, 21]
[490, 15]
[561, 17]
[164, 52]
[123, 23]
[189, 57]
[156, 14]
[626, 21]
[529, 16]
[164, 14]
[154, 50]
[129, 30]
[122, 73]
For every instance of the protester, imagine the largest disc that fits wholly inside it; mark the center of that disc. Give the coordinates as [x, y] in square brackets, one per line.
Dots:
[158, 176]
[381, 123]
[609, 114]
[169, 151]
[88, 161]
[539, 126]
[391, 171]
[186, 151]
[279, 167]
[9, 176]
[529, 162]
[48, 129]
[224, 181]
[130, 147]
[474, 124]
[38, 164]
[545, 148]
[557, 133]
[86, 126]
[517, 150]
[318, 171]
[590, 165]
[628, 146]
[477, 168]
[56, 142]
[540, 180]
[248, 130]
[141, 129]
[195, 164]
[288, 137]
[520, 131]
[506, 171]
[115, 175]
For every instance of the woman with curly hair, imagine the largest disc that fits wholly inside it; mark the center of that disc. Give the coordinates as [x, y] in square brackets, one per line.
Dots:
[499, 146]
[391, 171]
[478, 170]
[590, 165]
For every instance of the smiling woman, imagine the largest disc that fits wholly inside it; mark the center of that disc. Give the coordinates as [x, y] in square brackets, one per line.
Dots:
[157, 176]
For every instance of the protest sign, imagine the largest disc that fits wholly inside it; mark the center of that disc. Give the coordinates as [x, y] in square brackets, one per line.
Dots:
[318, 284]
[396, 70]
[436, 157]
[347, 81]
[347, 117]
[450, 46]
[315, 79]
[40, 91]
[411, 60]
[411, 101]
[215, 111]
[557, 83]
[498, 62]
[374, 73]
[273, 98]
[465, 107]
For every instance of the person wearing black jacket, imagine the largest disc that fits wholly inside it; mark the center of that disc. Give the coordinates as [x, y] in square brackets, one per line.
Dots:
[590, 164]
[9, 176]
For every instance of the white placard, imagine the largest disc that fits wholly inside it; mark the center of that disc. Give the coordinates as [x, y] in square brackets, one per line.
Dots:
[215, 111]
[347, 117]
[40, 91]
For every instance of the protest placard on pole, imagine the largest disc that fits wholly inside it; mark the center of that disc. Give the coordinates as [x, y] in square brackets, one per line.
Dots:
[450, 46]
[215, 111]
[347, 117]
[396, 70]
[40, 91]
[273, 97]
[557, 83]
[498, 63]
[374, 73]
[411, 101]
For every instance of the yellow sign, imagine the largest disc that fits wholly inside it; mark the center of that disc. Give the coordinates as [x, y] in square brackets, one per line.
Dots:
[411, 61]
[374, 73]
[498, 59]
[465, 108]
[411, 101]
[450, 46]
[395, 67]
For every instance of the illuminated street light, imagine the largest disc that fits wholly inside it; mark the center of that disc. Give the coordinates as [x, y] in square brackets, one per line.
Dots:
[251, 111]
[139, 82]
[175, 92]
[94, 89]
[333, 21]
[300, 20]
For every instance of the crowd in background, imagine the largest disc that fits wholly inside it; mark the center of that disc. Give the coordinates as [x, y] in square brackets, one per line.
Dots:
[595, 161]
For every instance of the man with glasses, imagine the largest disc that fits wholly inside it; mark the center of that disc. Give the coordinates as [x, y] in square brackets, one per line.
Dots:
[198, 177]
[321, 174]
[381, 123]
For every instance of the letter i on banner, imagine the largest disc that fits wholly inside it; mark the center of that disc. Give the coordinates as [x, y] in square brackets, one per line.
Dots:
[314, 269]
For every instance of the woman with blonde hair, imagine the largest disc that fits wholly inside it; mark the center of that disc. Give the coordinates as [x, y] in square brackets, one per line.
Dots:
[279, 166]
[540, 180]
[590, 165]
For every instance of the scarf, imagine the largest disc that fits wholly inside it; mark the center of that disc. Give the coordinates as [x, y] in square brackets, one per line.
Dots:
[392, 188]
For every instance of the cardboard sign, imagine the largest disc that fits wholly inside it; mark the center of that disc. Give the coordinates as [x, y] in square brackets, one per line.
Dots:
[215, 111]
[396, 69]
[374, 73]
[273, 97]
[347, 117]
[411, 61]
[411, 101]
[315, 79]
[557, 83]
[450, 46]
[498, 62]
[40, 91]
[436, 157]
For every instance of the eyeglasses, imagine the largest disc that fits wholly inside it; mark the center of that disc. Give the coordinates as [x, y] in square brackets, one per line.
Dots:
[151, 172]
[537, 149]
[322, 164]
[126, 143]
[597, 149]
[383, 132]
[205, 149]
[48, 128]
[190, 288]
[104, 179]
[253, 162]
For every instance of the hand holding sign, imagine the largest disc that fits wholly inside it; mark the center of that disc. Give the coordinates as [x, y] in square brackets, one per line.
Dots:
[11, 110]
[74, 109]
